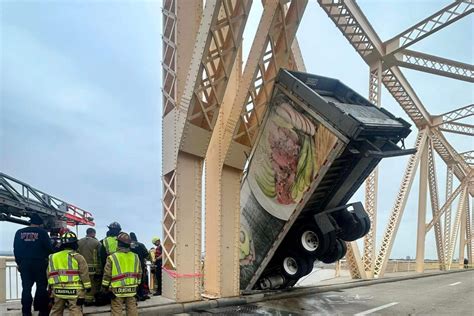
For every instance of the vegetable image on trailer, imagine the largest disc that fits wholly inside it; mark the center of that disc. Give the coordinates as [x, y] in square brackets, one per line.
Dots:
[318, 142]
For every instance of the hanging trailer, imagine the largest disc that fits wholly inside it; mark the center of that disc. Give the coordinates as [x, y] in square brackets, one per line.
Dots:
[318, 143]
[19, 200]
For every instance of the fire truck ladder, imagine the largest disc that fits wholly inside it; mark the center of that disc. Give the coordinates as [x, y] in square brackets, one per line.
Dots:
[18, 199]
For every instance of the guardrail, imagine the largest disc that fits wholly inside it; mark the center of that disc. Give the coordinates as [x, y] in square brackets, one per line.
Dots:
[10, 280]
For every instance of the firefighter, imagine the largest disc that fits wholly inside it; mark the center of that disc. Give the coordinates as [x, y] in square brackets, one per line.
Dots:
[109, 243]
[122, 275]
[89, 248]
[31, 248]
[68, 276]
[142, 253]
[158, 264]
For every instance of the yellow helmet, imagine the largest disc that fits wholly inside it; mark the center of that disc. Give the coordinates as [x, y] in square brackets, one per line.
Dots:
[68, 238]
[154, 240]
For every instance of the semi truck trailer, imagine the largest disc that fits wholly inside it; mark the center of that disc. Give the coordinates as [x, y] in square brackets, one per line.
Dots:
[318, 142]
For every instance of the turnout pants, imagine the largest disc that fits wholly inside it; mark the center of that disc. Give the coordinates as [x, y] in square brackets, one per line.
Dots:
[34, 271]
[95, 287]
[60, 304]
[130, 306]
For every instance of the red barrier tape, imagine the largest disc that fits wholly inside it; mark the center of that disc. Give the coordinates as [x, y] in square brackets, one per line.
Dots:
[174, 274]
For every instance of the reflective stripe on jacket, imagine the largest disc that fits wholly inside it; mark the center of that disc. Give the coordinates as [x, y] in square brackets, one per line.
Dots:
[64, 274]
[110, 244]
[125, 273]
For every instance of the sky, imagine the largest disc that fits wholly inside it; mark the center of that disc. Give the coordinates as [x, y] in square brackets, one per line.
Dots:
[80, 102]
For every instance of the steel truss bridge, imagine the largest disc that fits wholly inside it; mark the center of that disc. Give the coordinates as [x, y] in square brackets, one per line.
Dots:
[213, 108]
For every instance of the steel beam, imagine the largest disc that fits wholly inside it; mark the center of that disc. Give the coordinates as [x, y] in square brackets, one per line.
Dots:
[180, 173]
[457, 223]
[421, 234]
[449, 155]
[264, 67]
[400, 202]
[434, 198]
[215, 52]
[356, 267]
[454, 115]
[435, 22]
[468, 156]
[447, 214]
[371, 184]
[448, 203]
[434, 65]
[222, 204]
[457, 128]
[462, 235]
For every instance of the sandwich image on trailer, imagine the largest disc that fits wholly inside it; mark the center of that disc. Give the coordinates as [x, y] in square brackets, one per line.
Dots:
[318, 143]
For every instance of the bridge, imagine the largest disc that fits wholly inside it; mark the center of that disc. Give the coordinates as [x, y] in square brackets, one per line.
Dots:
[212, 110]
[214, 102]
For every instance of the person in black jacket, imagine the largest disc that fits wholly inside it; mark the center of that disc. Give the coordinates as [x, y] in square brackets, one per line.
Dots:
[31, 248]
[140, 249]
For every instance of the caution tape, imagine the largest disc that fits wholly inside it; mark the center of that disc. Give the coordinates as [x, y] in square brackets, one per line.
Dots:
[176, 275]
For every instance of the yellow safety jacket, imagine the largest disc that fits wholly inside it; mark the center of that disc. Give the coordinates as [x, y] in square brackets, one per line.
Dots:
[125, 274]
[110, 244]
[64, 274]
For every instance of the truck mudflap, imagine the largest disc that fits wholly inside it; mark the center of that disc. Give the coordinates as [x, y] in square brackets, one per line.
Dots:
[318, 142]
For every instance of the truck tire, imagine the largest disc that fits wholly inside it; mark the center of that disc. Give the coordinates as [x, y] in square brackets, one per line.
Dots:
[293, 266]
[312, 242]
[336, 253]
[350, 227]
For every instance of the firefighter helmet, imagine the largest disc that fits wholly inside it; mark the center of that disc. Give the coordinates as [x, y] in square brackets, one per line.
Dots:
[124, 238]
[68, 238]
[114, 225]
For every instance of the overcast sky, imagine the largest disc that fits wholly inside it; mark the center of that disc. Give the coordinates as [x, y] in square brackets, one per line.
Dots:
[80, 101]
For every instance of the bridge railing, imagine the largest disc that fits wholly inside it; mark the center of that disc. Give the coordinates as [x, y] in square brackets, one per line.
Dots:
[10, 280]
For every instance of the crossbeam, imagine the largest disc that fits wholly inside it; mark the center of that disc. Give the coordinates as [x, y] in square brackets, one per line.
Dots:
[435, 22]
[454, 115]
[458, 128]
[434, 65]
[447, 205]
[468, 156]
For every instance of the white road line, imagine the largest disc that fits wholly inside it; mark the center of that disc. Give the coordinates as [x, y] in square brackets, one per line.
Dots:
[452, 284]
[370, 311]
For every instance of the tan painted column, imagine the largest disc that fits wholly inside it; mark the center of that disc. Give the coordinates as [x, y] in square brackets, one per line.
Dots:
[421, 232]
[181, 177]
[221, 264]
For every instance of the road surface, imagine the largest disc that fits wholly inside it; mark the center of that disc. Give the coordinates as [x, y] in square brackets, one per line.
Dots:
[447, 294]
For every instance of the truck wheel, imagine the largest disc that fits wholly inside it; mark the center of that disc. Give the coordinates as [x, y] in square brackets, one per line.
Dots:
[351, 228]
[337, 252]
[312, 242]
[293, 266]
